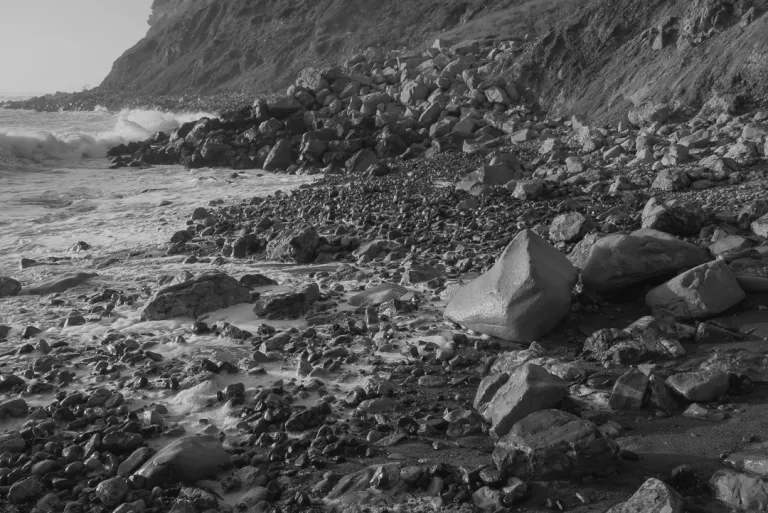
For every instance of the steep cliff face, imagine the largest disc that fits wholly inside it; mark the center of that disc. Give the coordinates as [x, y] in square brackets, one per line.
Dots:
[616, 54]
[209, 46]
[599, 57]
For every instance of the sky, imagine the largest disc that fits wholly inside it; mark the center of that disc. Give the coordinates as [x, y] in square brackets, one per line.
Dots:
[63, 45]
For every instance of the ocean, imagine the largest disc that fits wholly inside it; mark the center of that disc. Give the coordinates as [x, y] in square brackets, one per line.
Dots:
[56, 188]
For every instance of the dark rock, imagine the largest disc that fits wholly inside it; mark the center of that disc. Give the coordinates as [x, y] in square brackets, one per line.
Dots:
[553, 444]
[291, 303]
[297, 244]
[195, 297]
[187, 460]
[9, 287]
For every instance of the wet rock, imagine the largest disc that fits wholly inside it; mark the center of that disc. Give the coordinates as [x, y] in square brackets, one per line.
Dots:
[522, 297]
[195, 297]
[529, 388]
[288, 304]
[675, 217]
[111, 492]
[701, 292]
[9, 287]
[59, 283]
[654, 496]
[740, 490]
[298, 244]
[699, 386]
[553, 444]
[616, 261]
[12, 442]
[187, 459]
[14, 408]
[629, 391]
[25, 490]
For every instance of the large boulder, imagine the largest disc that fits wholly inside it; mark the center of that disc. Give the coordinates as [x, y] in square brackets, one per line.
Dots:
[530, 388]
[619, 260]
[701, 292]
[553, 444]
[361, 161]
[522, 297]
[298, 243]
[9, 287]
[187, 459]
[654, 496]
[195, 297]
[280, 157]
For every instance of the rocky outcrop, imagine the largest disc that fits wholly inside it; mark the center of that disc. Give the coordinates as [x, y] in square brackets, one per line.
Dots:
[195, 297]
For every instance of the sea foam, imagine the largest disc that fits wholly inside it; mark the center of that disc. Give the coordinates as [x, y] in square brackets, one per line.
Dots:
[64, 138]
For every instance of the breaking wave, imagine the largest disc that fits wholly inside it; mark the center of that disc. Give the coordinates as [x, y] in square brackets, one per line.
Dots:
[29, 139]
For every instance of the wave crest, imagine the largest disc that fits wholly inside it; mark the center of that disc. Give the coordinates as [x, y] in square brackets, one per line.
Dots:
[89, 136]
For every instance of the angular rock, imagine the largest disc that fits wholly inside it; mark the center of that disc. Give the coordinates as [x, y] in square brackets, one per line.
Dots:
[752, 459]
[496, 175]
[553, 444]
[675, 217]
[298, 243]
[742, 491]
[195, 297]
[701, 292]
[488, 388]
[568, 227]
[522, 297]
[530, 388]
[289, 304]
[699, 386]
[671, 179]
[654, 496]
[619, 260]
[629, 391]
[280, 156]
[361, 161]
[187, 459]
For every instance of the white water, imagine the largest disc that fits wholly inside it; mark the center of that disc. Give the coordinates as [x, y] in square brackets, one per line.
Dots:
[56, 188]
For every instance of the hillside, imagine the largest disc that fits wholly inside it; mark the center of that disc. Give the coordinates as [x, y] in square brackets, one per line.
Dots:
[598, 57]
[207, 47]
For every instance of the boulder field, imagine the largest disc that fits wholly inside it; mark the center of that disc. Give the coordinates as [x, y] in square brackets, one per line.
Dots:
[476, 307]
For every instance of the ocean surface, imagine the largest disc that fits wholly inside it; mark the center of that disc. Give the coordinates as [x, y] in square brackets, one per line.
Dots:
[56, 188]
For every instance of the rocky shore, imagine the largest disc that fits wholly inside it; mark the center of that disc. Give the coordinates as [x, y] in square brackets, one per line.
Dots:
[475, 308]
